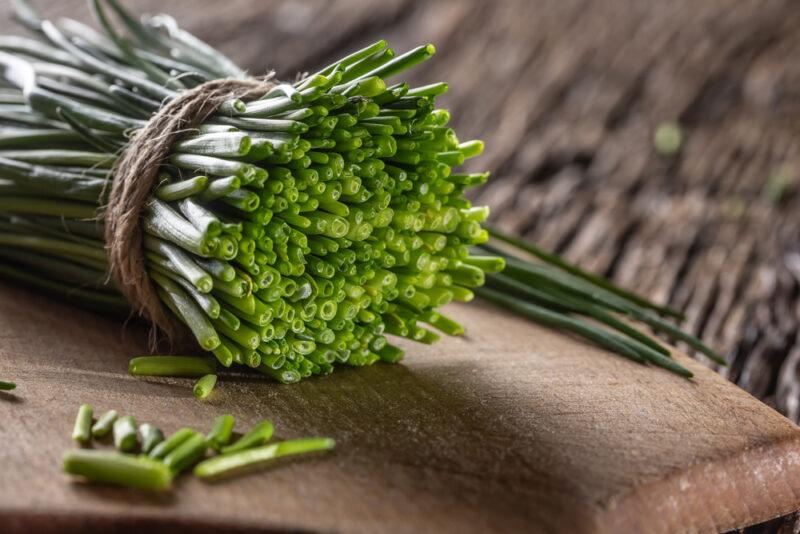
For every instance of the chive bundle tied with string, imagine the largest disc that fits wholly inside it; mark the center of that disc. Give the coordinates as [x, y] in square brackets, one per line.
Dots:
[284, 227]
[288, 227]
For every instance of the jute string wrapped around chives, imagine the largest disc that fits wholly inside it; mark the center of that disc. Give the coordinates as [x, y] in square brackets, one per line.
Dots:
[135, 178]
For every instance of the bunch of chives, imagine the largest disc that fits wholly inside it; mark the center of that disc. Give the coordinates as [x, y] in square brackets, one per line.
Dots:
[289, 234]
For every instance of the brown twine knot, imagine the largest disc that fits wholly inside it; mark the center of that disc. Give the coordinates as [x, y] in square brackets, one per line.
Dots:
[135, 178]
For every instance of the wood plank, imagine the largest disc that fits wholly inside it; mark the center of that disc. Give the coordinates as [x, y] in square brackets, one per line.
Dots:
[511, 428]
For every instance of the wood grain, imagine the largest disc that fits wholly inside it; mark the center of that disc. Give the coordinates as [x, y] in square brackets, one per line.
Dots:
[513, 428]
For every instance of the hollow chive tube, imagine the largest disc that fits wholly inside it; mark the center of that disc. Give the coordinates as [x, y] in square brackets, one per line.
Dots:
[125, 433]
[104, 424]
[82, 431]
[251, 459]
[7, 386]
[204, 386]
[258, 435]
[150, 436]
[221, 432]
[115, 468]
[171, 443]
[172, 366]
[187, 453]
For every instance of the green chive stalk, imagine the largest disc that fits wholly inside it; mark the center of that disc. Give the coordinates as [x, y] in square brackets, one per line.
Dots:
[119, 469]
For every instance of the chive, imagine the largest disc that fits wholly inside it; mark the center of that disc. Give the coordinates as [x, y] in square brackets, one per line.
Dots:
[104, 424]
[204, 385]
[7, 386]
[150, 436]
[165, 447]
[252, 459]
[221, 432]
[82, 431]
[119, 469]
[187, 453]
[258, 435]
[574, 270]
[125, 438]
[171, 366]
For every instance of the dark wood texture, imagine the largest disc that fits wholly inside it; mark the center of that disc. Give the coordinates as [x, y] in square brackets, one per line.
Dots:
[567, 95]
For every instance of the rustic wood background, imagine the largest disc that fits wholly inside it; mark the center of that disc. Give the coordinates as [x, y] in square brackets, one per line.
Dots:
[567, 95]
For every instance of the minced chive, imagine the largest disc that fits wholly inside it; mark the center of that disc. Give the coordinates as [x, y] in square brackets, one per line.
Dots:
[204, 385]
[187, 453]
[150, 436]
[104, 424]
[251, 459]
[82, 431]
[258, 435]
[171, 443]
[125, 438]
[221, 431]
[116, 468]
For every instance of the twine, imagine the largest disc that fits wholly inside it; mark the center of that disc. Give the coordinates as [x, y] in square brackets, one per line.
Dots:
[135, 179]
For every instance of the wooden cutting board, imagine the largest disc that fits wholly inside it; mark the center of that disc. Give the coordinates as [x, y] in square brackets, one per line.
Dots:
[513, 427]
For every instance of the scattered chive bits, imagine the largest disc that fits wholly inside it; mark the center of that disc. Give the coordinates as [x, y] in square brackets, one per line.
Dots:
[251, 459]
[125, 438]
[158, 460]
[289, 234]
[204, 386]
[104, 424]
[119, 469]
[82, 431]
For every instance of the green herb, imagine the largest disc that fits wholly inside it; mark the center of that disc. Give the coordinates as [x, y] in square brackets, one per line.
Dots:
[204, 386]
[187, 453]
[280, 228]
[115, 468]
[82, 432]
[104, 424]
[171, 443]
[258, 435]
[150, 436]
[171, 366]
[221, 432]
[7, 386]
[125, 438]
[252, 459]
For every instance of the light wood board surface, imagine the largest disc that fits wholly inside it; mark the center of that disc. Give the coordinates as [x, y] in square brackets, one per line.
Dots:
[511, 428]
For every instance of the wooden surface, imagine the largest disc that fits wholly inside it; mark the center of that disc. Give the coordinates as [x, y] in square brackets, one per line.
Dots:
[567, 94]
[513, 428]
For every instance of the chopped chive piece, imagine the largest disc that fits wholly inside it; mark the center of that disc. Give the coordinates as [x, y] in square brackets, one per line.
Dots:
[187, 453]
[203, 387]
[258, 435]
[7, 386]
[150, 436]
[171, 443]
[104, 424]
[221, 432]
[82, 432]
[172, 366]
[116, 468]
[252, 459]
[125, 438]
